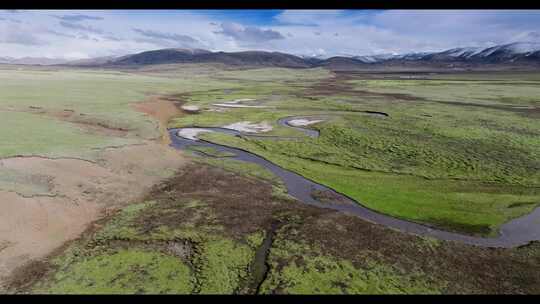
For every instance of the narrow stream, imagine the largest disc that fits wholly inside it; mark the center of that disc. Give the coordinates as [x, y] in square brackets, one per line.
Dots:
[260, 267]
[517, 232]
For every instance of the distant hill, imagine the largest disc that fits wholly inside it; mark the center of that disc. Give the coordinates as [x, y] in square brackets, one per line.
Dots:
[514, 55]
[248, 58]
[503, 56]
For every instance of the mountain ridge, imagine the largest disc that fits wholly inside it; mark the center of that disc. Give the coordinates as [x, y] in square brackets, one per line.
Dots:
[512, 54]
[508, 54]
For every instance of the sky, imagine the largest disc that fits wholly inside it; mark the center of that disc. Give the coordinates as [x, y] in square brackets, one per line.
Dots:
[79, 34]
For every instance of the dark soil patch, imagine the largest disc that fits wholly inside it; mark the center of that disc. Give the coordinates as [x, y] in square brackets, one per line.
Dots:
[241, 205]
[24, 276]
[338, 85]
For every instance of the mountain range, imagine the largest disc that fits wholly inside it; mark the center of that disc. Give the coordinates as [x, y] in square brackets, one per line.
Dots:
[519, 54]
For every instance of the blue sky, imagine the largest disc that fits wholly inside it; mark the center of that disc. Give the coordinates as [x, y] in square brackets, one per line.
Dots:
[77, 34]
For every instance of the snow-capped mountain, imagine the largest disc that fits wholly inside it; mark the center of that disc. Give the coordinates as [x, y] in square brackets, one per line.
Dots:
[374, 58]
[465, 52]
[518, 51]
[509, 52]
[314, 56]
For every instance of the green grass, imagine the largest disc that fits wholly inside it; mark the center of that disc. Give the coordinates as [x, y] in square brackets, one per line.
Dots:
[470, 207]
[487, 91]
[121, 226]
[256, 239]
[31, 135]
[223, 264]
[131, 271]
[299, 268]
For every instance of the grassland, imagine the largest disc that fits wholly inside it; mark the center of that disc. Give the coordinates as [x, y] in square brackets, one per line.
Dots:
[29, 134]
[32, 103]
[435, 159]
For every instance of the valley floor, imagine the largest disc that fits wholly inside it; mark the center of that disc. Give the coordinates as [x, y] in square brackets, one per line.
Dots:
[94, 201]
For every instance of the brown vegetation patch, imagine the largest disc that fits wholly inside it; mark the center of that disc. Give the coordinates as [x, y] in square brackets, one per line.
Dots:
[242, 205]
[24, 276]
[81, 192]
[161, 108]
[338, 85]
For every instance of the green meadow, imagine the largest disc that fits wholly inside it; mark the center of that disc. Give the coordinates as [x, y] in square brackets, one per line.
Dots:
[435, 159]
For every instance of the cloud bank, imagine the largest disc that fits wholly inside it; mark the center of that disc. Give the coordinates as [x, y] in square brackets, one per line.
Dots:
[249, 34]
[84, 34]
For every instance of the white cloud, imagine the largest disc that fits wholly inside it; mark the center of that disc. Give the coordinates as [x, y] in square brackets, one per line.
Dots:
[167, 39]
[360, 32]
[81, 27]
[249, 34]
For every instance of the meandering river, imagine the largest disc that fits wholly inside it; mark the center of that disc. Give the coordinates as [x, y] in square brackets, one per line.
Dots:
[517, 232]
